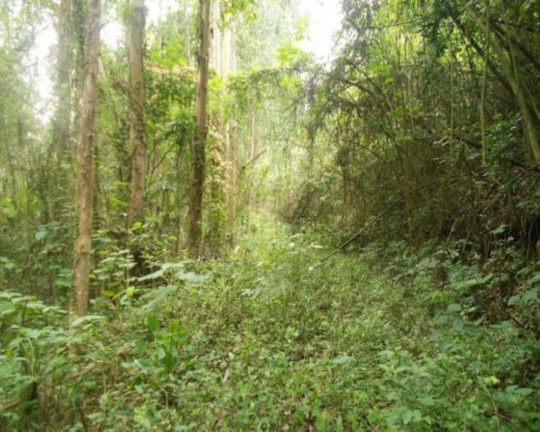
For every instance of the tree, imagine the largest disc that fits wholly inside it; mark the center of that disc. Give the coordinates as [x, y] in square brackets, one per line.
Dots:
[83, 242]
[196, 198]
[61, 148]
[396, 121]
[137, 102]
[514, 69]
[62, 122]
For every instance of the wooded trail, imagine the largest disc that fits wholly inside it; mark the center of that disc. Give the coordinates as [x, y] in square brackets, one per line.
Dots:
[365, 341]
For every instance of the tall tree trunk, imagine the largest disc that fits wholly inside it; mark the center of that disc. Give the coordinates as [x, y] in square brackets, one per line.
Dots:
[60, 149]
[196, 196]
[229, 65]
[217, 35]
[250, 167]
[217, 206]
[137, 127]
[216, 213]
[62, 124]
[232, 181]
[83, 243]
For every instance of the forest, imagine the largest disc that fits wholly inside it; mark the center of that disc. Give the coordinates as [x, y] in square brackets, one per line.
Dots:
[206, 225]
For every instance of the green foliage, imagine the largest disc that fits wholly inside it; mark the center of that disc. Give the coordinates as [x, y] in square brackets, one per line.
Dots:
[232, 8]
[113, 275]
[289, 55]
[35, 261]
[269, 340]
[166, 344]
[259, 34]
[31, 347]
[397, 118]
[443, 336]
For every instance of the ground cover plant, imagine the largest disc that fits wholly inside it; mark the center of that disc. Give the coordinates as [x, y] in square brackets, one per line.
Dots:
[271, 340]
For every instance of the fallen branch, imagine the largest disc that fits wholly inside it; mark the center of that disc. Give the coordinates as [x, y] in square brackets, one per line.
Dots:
[252, 161]
[9, 406]
[381, 215]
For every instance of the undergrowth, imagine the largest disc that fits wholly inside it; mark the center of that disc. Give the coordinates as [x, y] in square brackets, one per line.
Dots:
[271, 339]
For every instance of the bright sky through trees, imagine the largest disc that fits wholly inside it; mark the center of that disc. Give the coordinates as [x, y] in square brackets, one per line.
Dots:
[324, 17]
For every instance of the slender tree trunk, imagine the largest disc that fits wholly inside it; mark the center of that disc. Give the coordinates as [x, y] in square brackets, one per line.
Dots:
[54, 175]
[250, 167]
[5, 140]
[196, 197]
[83, 243]
[232, 177]
[511, 73]
[137, 127]
[216, 214]
[483, 121]
[62, 124]
[229, 62]
[217, 206]
[217, 36]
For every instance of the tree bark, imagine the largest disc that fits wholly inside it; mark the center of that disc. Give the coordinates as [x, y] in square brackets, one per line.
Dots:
[196, 197]
[137, 102]
[231, 147]
[83, 243]
[250, 165]
[62, 124]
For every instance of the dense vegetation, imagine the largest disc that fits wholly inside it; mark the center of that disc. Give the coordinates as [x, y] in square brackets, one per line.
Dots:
[262, 341]
[367, 252]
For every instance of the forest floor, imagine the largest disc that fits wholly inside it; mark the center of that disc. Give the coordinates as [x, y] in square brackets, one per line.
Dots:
[268, 340]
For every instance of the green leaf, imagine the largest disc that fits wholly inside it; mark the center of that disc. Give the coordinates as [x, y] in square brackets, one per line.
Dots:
[40, 235]
[530, 295]
[499, 230]
[88, 318]
[534, 279]
[342, 359]
[191, 277]
[478, 322]
[78, 321]
[182, 336]
[514, 300]
[524, 391]
[155, 275]
[160, 353]
[407, 416]
[454, 307]
[7, 263]
[458, 325]
[158, 295]
[8, 294]
[33, 333]
[427, 401]
[152, 322]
